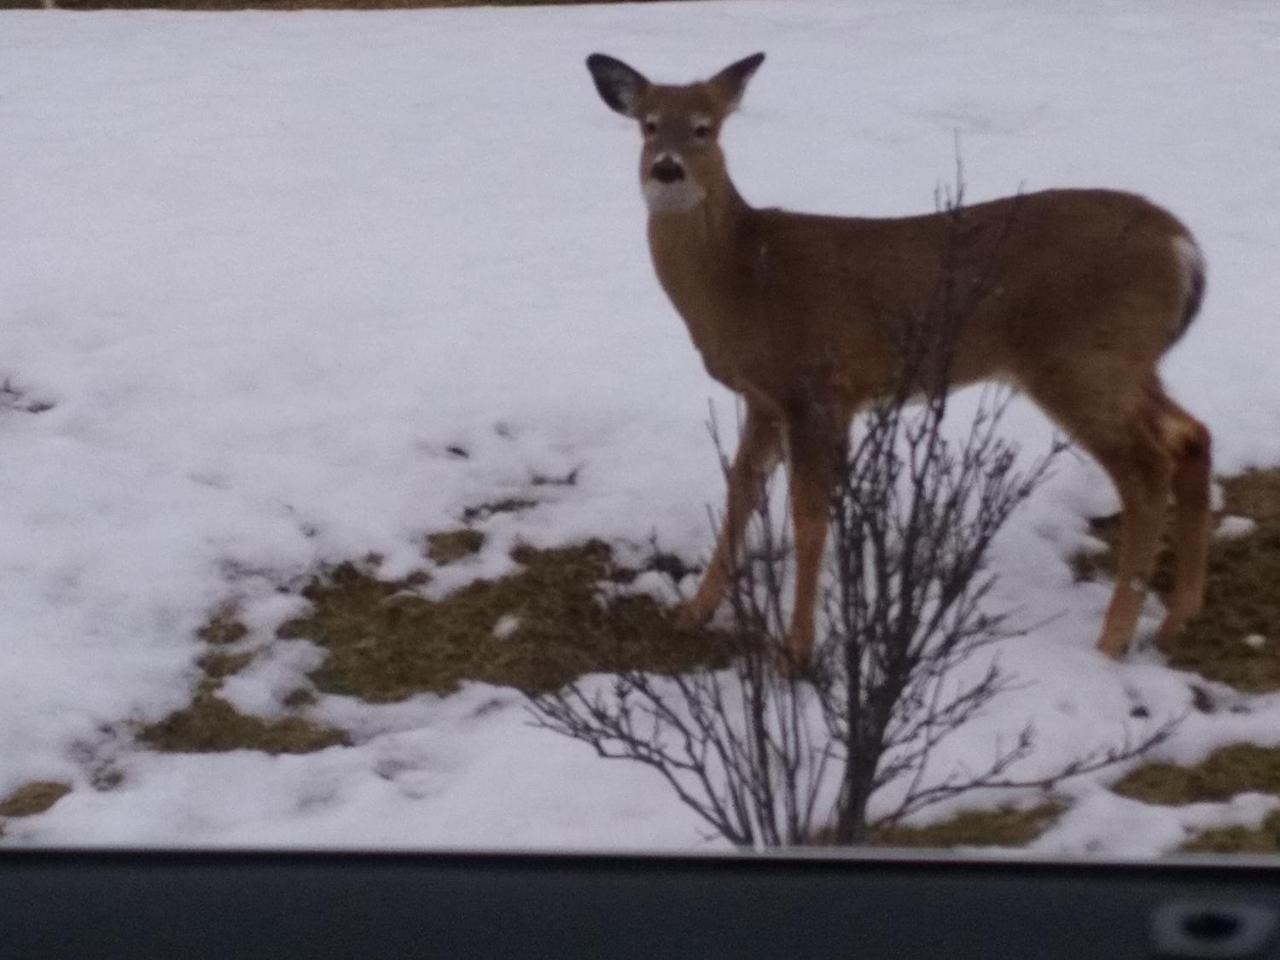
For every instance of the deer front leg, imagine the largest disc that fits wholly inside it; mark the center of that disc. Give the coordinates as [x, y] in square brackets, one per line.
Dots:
[813, 454]
[758, 452]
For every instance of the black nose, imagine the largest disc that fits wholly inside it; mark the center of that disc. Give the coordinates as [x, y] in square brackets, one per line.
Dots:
[667, 170]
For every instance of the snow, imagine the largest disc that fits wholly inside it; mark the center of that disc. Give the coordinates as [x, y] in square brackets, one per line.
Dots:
[1231, 528]
[270, 268]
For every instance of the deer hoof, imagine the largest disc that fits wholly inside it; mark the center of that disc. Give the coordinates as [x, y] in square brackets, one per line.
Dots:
[1173, 625]
[792, 666]
[1113, 648]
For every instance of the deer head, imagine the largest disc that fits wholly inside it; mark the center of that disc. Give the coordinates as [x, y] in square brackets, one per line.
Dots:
[681, 163]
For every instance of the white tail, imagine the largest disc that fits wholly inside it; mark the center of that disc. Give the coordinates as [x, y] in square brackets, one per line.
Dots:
[790, 311]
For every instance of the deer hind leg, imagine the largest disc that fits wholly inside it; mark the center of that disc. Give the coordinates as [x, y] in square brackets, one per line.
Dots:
[1169, 451]
[1142, 476]
[1125, 429]
[759, 450]
[1189, 444]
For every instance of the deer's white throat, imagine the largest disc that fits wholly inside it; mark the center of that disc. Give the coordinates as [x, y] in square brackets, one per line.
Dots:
[672, 197]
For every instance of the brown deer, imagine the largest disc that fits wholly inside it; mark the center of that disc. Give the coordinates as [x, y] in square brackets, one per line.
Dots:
[794, 312]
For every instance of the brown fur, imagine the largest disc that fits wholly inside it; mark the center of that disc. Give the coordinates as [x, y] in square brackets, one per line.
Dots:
[1079, 293]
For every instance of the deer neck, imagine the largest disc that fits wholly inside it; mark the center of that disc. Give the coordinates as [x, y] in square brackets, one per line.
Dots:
[695, 256]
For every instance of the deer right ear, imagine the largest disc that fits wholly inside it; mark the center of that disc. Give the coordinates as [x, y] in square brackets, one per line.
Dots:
[620, 86]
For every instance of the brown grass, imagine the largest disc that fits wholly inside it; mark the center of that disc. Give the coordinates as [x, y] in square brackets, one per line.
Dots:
[534, 629]
[1265, 839]
[1232, 770]
[450, 546]
[1239, 768]
[223, 628]
[212, 725]
[976, 828]
[385, 641]
[209, 724]
[33, 798]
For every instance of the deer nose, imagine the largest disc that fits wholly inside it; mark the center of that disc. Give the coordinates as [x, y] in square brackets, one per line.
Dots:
[667, 169]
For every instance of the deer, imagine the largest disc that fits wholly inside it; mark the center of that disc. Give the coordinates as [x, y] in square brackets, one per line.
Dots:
[793, 312]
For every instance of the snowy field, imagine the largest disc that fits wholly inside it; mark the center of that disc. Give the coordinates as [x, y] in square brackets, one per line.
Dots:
[264, 270]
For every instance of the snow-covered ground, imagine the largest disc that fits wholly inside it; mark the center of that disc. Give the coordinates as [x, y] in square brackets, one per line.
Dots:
[268, 268]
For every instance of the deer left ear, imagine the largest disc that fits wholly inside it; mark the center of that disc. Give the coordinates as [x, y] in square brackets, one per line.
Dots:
[732, 80]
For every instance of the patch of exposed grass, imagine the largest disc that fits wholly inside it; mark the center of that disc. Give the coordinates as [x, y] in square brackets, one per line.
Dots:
[1240, 596]
[1254, 493]
[975, 828]
[33, 798]
[1226, 773]
[219, 665]
[1265, 839]
[299, 698]
[212, 725]
[1239, 768]
[535, 629]
[223, 628]
[450, 546]
[386, 643]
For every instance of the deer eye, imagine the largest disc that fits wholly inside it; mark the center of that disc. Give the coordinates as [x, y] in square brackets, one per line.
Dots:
[702, 130]
[650, 126]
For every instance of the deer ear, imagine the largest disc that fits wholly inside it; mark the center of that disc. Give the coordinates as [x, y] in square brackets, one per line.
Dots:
[620, 86]
[732, 80]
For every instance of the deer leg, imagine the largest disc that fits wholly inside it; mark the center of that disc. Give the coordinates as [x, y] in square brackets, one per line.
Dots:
[812, 454]
[1124, 422]
[758, 453]
[1142, 472]
[1189, 444]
